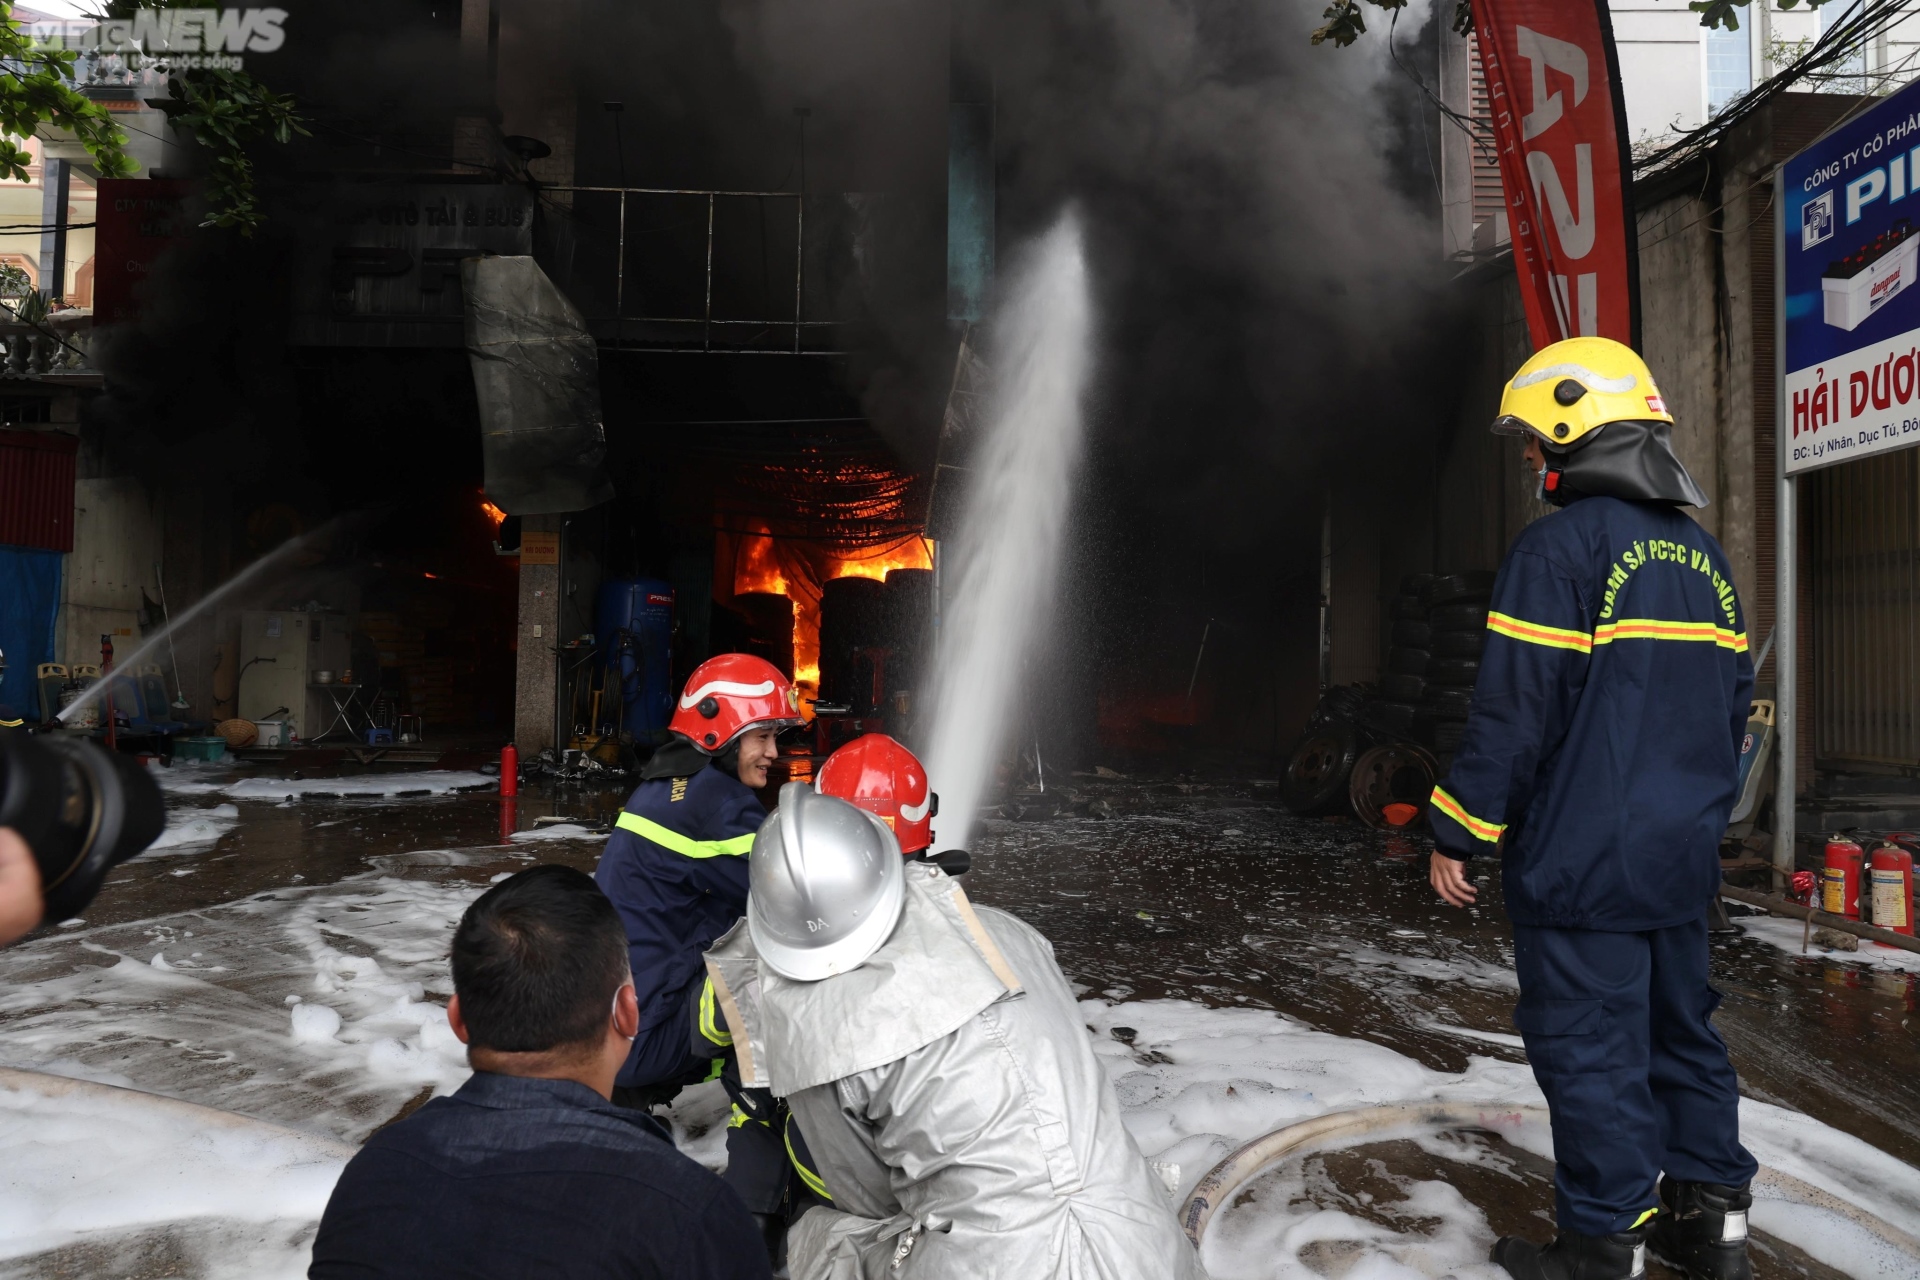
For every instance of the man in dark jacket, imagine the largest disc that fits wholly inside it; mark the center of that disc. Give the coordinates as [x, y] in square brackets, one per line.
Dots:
[529, 1170]
[676, 868]
[1600, 760]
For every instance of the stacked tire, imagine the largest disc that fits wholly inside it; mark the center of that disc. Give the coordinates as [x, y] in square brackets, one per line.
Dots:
[1456, 631]
[1404, 683]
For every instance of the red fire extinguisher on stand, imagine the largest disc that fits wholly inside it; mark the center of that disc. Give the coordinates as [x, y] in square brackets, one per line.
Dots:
[1890, 879]
[509, 791]
[1840, 878]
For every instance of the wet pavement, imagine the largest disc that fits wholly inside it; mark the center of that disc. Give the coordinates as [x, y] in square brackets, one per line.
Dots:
[1215, 893]
[1393, 1185]
[1201, 891]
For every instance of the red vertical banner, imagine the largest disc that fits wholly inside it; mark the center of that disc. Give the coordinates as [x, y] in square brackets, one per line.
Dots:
[1560, 128]
[137, 218]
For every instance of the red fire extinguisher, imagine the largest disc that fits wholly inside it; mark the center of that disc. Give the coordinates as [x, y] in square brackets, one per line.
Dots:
[1840, 878]
[1891, 879]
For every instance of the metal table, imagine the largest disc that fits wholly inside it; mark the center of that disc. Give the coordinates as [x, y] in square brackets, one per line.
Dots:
[350, 714]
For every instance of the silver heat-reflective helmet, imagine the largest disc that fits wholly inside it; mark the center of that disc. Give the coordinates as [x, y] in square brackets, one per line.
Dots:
[826, 885]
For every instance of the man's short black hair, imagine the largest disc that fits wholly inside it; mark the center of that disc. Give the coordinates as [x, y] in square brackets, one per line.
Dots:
[537, 960]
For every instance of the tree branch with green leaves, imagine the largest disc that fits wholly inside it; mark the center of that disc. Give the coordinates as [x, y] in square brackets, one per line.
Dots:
[36, 91]
[226, 112]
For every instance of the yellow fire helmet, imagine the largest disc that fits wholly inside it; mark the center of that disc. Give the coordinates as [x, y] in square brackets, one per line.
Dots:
[1572, 387]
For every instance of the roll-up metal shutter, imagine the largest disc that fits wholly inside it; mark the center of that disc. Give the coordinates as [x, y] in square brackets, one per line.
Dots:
[1865, 575]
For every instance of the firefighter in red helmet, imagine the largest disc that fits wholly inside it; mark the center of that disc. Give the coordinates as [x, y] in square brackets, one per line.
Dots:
[676, 869]
[875, 773]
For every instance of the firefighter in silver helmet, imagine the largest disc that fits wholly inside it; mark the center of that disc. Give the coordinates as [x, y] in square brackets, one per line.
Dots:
[934, 1055]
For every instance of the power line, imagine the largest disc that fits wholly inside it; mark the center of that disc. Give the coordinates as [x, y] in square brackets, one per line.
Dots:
[1842, 40]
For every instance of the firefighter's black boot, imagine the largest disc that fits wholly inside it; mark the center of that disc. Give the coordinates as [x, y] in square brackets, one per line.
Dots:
[1572, 1256]
[1703, 1230]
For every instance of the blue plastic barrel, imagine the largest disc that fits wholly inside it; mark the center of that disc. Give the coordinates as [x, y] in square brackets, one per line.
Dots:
[633, 622]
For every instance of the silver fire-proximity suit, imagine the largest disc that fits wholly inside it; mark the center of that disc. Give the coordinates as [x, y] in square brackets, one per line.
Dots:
[954, 1107]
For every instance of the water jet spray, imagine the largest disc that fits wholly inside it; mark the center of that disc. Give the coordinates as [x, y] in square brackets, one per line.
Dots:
[1012, 524]
[277, 558]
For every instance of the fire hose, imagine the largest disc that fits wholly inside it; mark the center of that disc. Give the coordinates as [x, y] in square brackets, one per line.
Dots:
[1377, 1124]
[41, 1085]
[1843, 924]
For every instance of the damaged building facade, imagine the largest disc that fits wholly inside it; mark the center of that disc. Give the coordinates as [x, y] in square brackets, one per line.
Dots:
[528, 416]
[542, 393]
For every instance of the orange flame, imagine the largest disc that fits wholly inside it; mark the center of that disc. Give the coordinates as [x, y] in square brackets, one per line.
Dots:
[492, 513]
[798, 570]
[757, 568]
[911, 554]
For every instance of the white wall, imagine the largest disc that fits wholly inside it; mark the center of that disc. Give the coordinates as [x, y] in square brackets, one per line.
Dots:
[116, 543]
[1662, 65]
[1663, 61]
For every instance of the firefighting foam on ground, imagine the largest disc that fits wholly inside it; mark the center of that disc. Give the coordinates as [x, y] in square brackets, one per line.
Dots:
[840, 641]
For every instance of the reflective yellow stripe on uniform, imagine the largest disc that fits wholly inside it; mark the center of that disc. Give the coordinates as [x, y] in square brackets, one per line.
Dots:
[709, 1023]
[12, 724]
[739, 1118]
[808, 1176]
[1608, 632]
[667, 838]
[1479, 828]
[1536, 633]
[1662, 629]
[1643, 1217]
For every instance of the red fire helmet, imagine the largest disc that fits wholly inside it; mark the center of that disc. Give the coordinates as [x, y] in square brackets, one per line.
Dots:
[879, 775]
[730, 694]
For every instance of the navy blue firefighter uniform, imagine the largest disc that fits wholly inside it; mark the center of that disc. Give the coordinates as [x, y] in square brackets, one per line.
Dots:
[1600, 760]
[676, 868]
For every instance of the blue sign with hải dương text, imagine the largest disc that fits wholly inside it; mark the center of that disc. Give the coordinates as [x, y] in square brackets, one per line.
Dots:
[1852, 233]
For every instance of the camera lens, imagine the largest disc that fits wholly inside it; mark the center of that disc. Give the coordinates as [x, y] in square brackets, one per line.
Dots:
[82, 809]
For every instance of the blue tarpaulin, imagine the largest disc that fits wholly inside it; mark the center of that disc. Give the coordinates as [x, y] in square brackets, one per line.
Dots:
[29, 603]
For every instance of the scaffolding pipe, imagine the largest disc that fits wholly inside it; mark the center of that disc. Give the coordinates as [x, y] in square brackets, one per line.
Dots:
[1786, 611]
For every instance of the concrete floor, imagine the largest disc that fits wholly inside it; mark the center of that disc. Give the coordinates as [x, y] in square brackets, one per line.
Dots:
[1203, 891]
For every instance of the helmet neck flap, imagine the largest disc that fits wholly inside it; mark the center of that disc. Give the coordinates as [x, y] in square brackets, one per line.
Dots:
[1633, 460]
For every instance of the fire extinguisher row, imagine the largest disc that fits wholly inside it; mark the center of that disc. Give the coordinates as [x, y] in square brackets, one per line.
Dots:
[1874, 888]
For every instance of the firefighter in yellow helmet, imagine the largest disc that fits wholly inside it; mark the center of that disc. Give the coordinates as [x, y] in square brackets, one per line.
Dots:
[1599, 763]
[1559, 402]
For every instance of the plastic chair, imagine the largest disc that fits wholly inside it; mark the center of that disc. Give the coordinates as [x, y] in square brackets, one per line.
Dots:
[154, 703]
[124, 694]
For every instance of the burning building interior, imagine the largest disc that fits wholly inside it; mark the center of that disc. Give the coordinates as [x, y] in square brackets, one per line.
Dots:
[770, 246]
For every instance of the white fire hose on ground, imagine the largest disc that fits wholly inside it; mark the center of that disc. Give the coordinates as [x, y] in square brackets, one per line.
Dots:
[1380, 1124]
[43, 1085]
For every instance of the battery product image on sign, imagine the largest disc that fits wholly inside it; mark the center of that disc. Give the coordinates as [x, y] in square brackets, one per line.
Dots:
[1856, 286]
